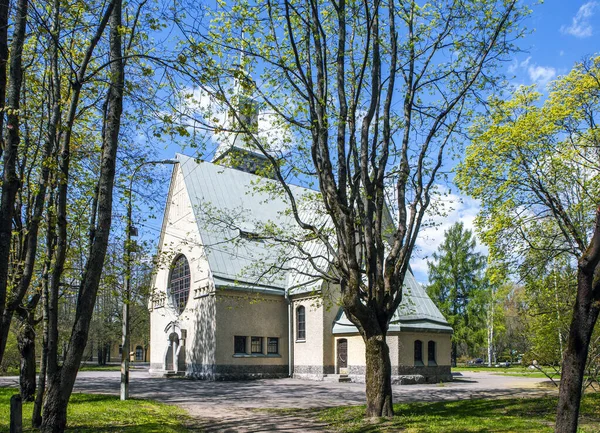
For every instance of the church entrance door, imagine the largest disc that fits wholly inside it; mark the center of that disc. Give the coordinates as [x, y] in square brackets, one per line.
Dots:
[342, 354]
[172, 352]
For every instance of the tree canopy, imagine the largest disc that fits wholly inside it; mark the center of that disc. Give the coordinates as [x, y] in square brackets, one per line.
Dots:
[535, 166]
[458, 286]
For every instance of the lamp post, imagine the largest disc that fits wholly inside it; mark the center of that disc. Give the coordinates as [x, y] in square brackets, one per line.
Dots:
[129, 232]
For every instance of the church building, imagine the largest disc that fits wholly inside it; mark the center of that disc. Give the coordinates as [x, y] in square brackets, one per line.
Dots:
[214, 317]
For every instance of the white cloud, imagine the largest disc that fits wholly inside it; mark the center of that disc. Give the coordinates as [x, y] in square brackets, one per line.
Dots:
[453, 208]
[541, 75]
[525, 62]
[580, 25]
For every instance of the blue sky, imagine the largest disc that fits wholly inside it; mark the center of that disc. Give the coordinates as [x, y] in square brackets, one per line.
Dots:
[562, 33]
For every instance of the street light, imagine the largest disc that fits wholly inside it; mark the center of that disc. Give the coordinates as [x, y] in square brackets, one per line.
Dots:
[130, 231]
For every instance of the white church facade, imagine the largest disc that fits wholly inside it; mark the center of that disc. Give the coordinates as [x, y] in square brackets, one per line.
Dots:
[212, 318]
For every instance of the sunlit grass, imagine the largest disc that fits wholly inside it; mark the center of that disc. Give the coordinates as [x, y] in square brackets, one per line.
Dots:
[530, 415]
[517, 371]
[103, 413]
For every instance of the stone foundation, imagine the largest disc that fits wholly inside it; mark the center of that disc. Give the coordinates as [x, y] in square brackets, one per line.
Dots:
[312, 372]
[401, 375]
[235, 372]
[405, 375]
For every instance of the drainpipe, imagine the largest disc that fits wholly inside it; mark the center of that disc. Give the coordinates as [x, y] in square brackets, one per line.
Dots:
[290, 336]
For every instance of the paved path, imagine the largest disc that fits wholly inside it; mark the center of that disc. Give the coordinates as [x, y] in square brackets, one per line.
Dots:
[232, 406]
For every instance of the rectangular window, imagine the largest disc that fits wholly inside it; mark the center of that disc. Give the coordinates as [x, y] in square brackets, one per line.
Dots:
[431, 352]
[256, 345]
[301, 323]
[418, 352]
[239, 345]
[273, 346]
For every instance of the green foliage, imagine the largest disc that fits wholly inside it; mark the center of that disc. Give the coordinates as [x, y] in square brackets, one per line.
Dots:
[533, 163]
[459, 288]
[103, 413]
[551, 294]
[10, 361]
[532, 415]
[535, 168]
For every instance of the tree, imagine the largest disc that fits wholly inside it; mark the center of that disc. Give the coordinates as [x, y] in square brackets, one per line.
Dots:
[10, 179]
[536, 171]
[371, 94]
[61, 380]
[550, 289]
[458, 287]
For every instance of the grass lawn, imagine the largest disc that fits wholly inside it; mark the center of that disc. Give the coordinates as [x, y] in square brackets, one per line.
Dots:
[96, 367]
[14, 371]
[499, 416]
[510, 371]
[103, 413]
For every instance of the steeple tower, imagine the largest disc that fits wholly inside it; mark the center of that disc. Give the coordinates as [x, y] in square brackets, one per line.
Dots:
[237, 148]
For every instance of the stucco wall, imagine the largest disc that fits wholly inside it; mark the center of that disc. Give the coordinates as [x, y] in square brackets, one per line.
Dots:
[406, 347]
[401, 346]
[250, 315]
[356, 350]
[330, 311]
[308, 354]
[180, 236]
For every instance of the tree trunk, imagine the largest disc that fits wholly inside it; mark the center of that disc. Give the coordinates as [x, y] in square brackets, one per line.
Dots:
[490, 333]
[585, 315]
[378, 377]
[26, 343]
[36, 416]
[10, 181]
[453, 354]
[4, 12]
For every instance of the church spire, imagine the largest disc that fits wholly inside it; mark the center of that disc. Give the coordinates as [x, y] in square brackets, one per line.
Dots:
[236, 147]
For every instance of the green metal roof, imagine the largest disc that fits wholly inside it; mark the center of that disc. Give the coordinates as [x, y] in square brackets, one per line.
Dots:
[416, 312]
[225, 200]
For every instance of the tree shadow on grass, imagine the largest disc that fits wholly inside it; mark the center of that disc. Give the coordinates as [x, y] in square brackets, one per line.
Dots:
[476, 416]
[138, 428]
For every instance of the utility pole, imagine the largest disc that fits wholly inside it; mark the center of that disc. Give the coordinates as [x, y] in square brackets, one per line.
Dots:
[130, 231]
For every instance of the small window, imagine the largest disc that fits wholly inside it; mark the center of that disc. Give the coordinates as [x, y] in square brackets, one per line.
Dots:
[273, 346]
[139, 353]
[431, 353]
[120, 349]
[256, 345]
[418, 352]
[301, 323]
[239, 345]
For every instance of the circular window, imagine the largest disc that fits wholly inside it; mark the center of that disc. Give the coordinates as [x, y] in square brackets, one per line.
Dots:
[179, 283]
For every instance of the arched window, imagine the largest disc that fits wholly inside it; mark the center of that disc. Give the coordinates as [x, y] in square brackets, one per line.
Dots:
[179, 283]
[418, 352]
[300, 323]
[431, 353]
[139, 353]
